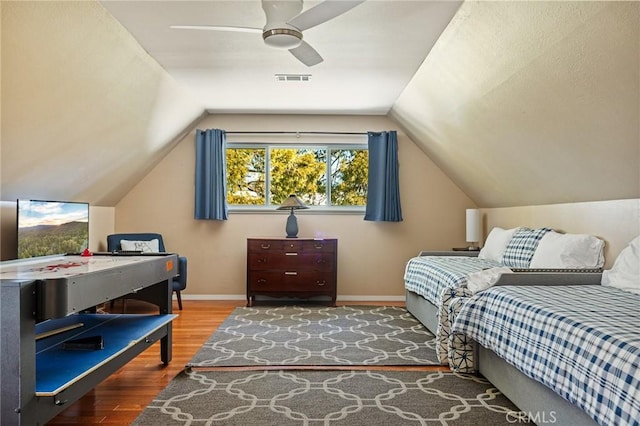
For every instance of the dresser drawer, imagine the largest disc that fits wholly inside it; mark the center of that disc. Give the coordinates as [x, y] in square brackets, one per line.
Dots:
[291, 245]
[290, 281]
[264, 245]
[270, 260]
[319, 246]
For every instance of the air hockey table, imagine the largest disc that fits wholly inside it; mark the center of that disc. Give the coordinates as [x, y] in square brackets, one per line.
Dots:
[46, 303]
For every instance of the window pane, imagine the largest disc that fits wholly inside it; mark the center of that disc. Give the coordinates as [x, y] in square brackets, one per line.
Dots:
[300, 171]
[246, 176]
[349, 174]
[324, 176]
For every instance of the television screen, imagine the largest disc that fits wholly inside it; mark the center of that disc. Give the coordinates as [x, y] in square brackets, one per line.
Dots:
[52, 227]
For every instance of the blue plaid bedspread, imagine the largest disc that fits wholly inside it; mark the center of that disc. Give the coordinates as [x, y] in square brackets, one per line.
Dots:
[429, 276]
[581, 341]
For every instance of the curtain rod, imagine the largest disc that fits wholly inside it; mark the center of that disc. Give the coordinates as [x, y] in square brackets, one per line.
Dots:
[294, 133]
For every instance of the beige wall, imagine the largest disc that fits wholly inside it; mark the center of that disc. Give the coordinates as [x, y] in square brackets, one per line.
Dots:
[617, 222]
[101, 223]
[532, 102]
[86, 111]
[371, 255]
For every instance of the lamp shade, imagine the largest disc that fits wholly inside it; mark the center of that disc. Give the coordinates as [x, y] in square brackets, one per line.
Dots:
[292, 202]
[473, 225]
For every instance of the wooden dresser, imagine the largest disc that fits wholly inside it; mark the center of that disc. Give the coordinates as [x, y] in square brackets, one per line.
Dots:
[291, 267]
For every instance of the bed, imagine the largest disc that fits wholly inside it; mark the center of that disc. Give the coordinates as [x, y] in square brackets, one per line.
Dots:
[433, 276]
[570, 353]
[579, 344]
[433, 279]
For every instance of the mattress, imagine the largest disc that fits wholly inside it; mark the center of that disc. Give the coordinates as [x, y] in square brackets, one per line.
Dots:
[583, 342]
[430, 276]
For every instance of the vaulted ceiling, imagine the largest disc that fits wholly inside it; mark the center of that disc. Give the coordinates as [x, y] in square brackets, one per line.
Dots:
[518, 102]
[370, 53]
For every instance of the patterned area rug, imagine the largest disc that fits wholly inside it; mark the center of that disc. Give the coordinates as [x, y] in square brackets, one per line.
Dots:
[318, 336]
[294, 397]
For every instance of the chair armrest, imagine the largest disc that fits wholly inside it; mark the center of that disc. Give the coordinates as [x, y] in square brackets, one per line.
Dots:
[182, 270]
[550, 278]
[470, 253]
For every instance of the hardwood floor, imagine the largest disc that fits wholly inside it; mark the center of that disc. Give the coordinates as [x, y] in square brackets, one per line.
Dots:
[121, 398]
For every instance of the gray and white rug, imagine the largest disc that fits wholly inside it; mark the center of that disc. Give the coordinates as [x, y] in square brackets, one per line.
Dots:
[295, 397]
[318, 336]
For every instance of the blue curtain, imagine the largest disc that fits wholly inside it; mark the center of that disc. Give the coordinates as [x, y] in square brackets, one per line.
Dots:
[383, 192]
[211, 169]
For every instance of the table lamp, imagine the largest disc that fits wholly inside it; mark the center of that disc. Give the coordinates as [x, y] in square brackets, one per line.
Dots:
[473, 228]
[293, 203]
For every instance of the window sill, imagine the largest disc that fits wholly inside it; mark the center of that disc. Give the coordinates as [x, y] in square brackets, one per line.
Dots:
[310, 210]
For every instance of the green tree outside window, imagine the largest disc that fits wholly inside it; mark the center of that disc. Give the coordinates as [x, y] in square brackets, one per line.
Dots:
[320, 176]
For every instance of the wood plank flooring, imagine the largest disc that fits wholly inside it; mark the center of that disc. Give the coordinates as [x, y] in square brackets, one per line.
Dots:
[121, 398]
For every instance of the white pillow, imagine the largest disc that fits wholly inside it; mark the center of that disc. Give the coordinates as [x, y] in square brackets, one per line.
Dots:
[557, 250]
[625, 273]
[482, 280]
[496, 243]
[151, 246]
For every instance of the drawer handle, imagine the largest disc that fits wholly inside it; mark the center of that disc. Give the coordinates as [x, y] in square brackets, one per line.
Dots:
[261, 281]
[291, 273]
[262, 260]
[291, 254]
[321, 283]
[265, 246]
[321, 261]
[318, 245]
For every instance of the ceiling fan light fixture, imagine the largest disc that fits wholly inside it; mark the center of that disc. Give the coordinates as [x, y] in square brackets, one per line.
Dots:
[285, 23]
[283, 38]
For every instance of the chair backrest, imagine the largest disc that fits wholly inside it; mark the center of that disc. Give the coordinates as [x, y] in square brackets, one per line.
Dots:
[113, 240]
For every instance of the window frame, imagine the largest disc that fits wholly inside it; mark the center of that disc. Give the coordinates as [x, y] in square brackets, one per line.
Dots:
[272, 208]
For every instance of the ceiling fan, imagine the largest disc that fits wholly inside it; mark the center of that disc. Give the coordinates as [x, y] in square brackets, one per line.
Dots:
[286, 23]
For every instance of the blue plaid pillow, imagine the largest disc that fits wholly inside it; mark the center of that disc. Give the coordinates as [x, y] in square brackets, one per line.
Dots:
[522, 246]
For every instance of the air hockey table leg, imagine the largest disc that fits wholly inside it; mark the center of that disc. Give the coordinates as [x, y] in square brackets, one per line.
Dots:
[160, 295]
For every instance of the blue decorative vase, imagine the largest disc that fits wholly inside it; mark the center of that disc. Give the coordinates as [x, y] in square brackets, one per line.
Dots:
[292, 226]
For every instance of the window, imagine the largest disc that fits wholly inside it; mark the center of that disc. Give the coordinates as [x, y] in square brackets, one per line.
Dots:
[332, 177]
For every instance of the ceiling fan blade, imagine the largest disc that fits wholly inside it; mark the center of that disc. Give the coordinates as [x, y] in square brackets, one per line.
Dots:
[322, 12]
[217, 28]
[306, 54]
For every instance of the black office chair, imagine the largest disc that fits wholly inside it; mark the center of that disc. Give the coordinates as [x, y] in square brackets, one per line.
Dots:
[179, 282]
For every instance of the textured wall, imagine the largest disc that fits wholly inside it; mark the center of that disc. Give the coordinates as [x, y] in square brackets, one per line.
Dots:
[85, 111]
[525, 103]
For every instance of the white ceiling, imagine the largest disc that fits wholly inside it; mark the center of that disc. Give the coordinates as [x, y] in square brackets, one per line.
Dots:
[370, 53]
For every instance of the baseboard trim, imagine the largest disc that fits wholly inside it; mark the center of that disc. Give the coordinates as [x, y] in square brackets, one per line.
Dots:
[345, 298]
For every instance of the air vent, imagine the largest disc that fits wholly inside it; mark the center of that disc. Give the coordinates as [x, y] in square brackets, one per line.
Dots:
[293, 77]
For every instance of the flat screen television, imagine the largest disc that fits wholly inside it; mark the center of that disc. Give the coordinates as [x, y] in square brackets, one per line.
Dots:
[52, 227]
